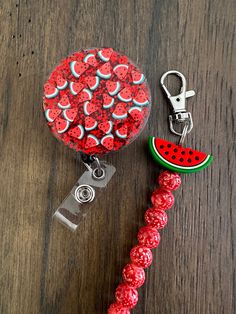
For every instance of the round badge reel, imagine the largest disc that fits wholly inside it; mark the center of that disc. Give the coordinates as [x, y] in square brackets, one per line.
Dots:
[96, 101]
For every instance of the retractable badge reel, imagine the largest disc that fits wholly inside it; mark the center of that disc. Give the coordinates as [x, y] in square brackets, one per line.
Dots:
[96, 101]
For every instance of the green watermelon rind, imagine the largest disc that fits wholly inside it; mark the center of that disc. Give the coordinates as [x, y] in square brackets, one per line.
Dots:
[94, 138]
[157, 157]
[137, 103]
[110, 128]
[65, 115]
[119, 117]
[96, 84]
[72, 90]
[109, 105]
[86, 112]
[85, 108]
[110, 136]
[102, 57]
[65, 129]
[88, 56]
[120, 135]
[116, 90]
[140, 81]
[82, 131]
[63, 86]
[104, 76]
[72, 68]
[63, 107]
[119, 66]
[124, 99]
[92, 127]
[46, 113]
[135, 108]
[90, 94]
[52, 95]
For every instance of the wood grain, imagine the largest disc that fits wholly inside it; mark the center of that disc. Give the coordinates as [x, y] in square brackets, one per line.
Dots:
[44, 267]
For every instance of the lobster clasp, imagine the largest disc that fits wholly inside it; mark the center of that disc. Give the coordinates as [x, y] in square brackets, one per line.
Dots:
[178, 103]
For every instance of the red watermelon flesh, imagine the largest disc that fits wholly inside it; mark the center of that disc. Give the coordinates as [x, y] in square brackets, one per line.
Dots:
[50, 91]
[62, 125]
[61, 82]
[108, 141]
[185, 157]
[78, 68]
[89, 108]
[138, 77]
[70, 114]
[141, 98]
[90, 123]
[136, 113]
[105, 54]
[105, 70]
[125, 94]
[120, 111]
[105, 127]
[108, 101]
[113, 87]
[121, 70]
[92, 81]
[122, 132]
[85, 95]
[75, 88]
[91, 60]
[64, 102]
[91, 141]
[77, 132]
[52, 114]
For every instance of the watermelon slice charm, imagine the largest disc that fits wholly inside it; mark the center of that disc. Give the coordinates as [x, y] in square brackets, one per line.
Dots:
[172, 156]
[178, 158]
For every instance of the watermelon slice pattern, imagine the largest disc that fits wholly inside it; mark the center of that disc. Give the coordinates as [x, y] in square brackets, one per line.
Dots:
[96, 101]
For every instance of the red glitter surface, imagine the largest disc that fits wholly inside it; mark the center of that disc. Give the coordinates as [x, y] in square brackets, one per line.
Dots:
[114, 140]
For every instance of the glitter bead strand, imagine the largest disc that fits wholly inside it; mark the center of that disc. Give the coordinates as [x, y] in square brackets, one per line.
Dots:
[148, 238]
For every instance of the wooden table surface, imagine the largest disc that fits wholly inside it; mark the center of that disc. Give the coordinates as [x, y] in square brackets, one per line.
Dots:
[44, 267]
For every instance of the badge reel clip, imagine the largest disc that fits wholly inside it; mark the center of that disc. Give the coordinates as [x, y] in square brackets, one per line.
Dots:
[87, 188]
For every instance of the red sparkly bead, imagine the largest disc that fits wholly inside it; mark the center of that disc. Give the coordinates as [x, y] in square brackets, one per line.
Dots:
[156, 218]
[149, 237]
[169, 180]
[141, 256]
[133, 275]
[162, 199]
[126, 296]
[116, 308]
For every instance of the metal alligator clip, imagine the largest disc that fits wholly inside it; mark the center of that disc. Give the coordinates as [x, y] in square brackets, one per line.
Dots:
[90, 184]
[180, 115]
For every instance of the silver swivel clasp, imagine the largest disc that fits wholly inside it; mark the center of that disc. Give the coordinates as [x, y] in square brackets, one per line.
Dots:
[180, 115]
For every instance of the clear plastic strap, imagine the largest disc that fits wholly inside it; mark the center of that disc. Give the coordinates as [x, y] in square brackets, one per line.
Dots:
[74, 207]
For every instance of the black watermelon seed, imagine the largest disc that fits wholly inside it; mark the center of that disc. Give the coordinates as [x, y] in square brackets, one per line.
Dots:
[175, 150]
[189, 159]
[166, 153]
[173, 157]
[161, 146]
[181, 159]
[169, 145]
[183, 152]
[197, 158]
[190, 153]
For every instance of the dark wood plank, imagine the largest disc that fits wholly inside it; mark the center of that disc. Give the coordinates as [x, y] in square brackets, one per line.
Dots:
[44, 267]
